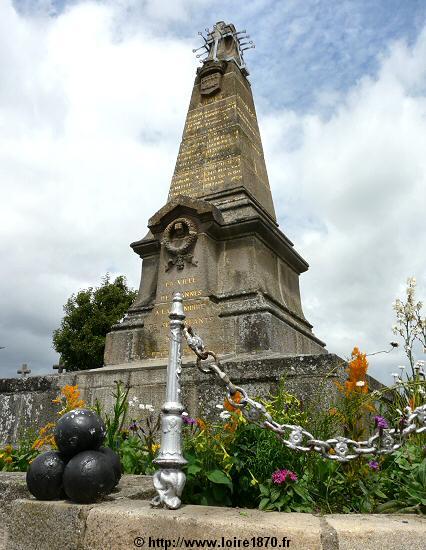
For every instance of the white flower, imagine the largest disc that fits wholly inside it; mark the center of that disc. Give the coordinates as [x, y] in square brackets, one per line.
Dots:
[149, 408]
[184, 413]
[360, 383]
[224, 415]
[219, 406]
[401, 367]
[141, 406]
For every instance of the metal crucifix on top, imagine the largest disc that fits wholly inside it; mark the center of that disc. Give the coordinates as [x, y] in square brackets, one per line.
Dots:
[224, 43]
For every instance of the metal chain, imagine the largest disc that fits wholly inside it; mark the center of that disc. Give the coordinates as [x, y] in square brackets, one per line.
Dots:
[342, 449]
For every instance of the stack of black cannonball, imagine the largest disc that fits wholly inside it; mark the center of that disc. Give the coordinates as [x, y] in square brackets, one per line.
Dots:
[81, 469]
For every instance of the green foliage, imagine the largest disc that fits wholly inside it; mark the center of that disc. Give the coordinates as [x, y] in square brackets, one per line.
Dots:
[136, 445]
[234, 462]
[405, 473]
[114, 424]
[208, 479]
[289, 497]
[17, 459]
[89, 315]
[231, 464]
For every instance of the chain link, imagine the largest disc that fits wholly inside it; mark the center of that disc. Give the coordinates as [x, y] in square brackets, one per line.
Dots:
[342, 449]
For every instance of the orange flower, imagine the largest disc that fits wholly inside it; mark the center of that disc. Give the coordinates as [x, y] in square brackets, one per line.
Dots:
[201, 424]
[236, 398]
[70, 399]
[45, 437]
[357, 374]
[231, 426]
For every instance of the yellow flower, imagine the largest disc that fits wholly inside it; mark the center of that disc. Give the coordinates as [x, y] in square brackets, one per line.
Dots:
[8, 460]
[253, 481]
[155, 447]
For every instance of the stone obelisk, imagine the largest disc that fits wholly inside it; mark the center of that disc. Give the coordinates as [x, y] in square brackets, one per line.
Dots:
[216, 240]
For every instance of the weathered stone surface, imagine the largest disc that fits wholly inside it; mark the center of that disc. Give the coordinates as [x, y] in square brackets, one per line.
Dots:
[379, 531]
[25, 404]
[122, 523]
[134, 487]
[45, 525]
[310, 377]
[119, 520]
[12, 487]
[40, 529]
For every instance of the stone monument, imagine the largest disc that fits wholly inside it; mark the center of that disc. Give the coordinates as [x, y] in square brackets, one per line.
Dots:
[217, 239]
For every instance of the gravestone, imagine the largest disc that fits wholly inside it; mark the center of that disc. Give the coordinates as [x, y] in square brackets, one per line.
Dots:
[217, 239]
[24, 371]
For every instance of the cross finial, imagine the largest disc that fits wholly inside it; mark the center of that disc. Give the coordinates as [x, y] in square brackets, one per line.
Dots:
[224, 43]
[24, 370]
[59, 367]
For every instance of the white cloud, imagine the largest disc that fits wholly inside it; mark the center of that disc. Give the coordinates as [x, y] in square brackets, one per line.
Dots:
[353, 191]
[89, 133]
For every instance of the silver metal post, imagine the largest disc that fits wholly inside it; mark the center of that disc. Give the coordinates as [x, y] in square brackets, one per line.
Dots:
[169, 480]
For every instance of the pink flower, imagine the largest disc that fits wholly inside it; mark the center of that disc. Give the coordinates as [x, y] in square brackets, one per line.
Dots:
[280, 476]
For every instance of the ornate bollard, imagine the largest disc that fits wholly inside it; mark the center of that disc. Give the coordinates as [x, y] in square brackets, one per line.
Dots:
[169, 480]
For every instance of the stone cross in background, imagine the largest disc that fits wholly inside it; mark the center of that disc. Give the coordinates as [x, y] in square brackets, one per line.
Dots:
[60, 368]
[24, 370]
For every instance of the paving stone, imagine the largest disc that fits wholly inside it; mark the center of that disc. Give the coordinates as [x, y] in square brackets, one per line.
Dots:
[379, 531]
[122, 523]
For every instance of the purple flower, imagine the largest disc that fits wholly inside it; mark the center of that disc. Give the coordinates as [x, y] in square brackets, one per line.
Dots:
[133, 427]
[280, 476]
[189, 420]
[381, 422]
[373, 465]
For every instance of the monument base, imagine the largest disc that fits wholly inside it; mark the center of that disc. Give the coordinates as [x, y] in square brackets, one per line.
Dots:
[27, 404]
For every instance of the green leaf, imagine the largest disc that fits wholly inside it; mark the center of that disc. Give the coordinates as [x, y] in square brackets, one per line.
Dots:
[263, 503]
[380, 493]
[217, 476]
[275, 494]
[387, 506]
[263, 489]
[193, 469]
[421, 473]
[301, 492]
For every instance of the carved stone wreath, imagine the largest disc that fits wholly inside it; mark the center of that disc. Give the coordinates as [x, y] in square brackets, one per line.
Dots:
[179, 239]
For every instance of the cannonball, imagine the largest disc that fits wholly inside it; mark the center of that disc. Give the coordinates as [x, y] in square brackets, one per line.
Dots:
[88, 476]
[79, 430]
[115, 461]
[44, 476]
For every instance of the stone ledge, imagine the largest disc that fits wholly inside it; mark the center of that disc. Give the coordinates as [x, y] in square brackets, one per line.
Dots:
[116, 524]
[16, 504]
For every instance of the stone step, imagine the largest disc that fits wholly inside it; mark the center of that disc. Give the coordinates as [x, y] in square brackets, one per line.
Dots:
[125, 522]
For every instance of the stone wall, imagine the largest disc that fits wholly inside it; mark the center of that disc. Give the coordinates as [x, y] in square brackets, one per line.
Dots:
[126, 521]
[27, 404]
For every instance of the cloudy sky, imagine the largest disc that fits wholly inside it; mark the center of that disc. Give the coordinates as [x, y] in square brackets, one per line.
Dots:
[93, 100]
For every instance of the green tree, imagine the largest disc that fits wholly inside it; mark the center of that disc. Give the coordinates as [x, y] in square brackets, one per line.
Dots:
[89, 315]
